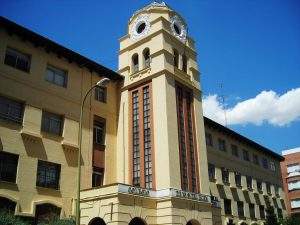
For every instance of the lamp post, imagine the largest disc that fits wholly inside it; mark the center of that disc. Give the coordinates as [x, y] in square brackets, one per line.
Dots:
[102, 83]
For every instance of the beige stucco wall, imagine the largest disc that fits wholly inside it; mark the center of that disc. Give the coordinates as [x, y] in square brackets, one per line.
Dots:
[227, 160]
[37, 95]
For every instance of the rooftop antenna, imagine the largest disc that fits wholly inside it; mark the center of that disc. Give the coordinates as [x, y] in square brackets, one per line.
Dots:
[223, 103]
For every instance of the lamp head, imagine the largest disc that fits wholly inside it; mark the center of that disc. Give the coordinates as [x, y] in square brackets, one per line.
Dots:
[103, 82]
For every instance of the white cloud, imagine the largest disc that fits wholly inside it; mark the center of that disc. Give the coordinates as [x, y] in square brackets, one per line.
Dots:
[267, 106]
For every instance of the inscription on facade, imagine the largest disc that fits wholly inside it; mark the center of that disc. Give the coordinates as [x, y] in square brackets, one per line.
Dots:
[192, 196]
[138, 191]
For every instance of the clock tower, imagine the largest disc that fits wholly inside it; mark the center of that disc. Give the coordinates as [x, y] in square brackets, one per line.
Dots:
[160, 160]
[161, 133]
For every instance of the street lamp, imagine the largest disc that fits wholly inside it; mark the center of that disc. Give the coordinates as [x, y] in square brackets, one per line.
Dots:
[102, 83]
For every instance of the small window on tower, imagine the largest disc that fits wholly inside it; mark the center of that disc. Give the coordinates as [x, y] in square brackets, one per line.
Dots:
[146, 54]
[184, 63]
[135, 63]
[175, 58]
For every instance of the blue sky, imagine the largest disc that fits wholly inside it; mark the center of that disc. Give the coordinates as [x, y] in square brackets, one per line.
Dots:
[250, 47]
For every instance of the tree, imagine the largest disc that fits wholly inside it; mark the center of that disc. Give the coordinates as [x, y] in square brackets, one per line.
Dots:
[271, 218]
[10, 219]
[290, 221]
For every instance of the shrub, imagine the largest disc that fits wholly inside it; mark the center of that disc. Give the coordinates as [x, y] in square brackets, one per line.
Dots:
[59, 222]
[10, 219]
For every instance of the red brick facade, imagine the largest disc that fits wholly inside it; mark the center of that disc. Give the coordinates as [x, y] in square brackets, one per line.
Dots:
[290, 158]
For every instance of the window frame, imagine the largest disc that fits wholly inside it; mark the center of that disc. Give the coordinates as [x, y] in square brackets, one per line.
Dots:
[12, 105]
[238, 175]
[255, 159]
[240, 208]
[99, 124]
[141, 143]
[249, 182]
[101, 94]
[227, 206]
[46, 115]
[97, 171]
[246, 156]
[209, 139]
[8, 168]
[57, 72]
[225, 176]
[222, 145]
[234, 150]
[18, 53]
[213, 173]
[135, 63]
[46, 183]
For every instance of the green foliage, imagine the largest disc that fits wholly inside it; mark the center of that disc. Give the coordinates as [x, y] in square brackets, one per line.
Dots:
[290, 221]
[271, 218]
[59, 222]
[10, 219]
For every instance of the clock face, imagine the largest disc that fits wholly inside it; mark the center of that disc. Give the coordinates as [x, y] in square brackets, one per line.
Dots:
[140, 27]
[178, 28]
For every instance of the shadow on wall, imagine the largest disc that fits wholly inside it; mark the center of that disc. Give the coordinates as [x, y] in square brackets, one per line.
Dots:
[35, 148]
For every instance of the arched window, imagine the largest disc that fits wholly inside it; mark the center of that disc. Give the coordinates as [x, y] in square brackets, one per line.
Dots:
[7, 205]
[146, 55]
[137, 221]
[175, 58]
[135, 63]
[97, 221]
[184, 63]
[45, 213]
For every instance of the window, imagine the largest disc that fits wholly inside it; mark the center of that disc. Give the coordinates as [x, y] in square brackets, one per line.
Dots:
[135, 63]
[268, 185]
[225, 175]
[246, 155]
[279, 213]
[17, 59]
[7, 206]
[240, 207]
[141, 137]
[101, 94]
[238, 179]
[295, 203]
[208, 138]
[99, 131]
[272, 166]
[252, 210]
[234, 150]
[97, 177]
[259, 185]
[249, 182]
[56, 76]
[262, 212]
[187, 148]
[176, 58]
[184, 63]
[293, 169]
[294, 185]
[255, 159]
[265, 163]
[45, 213]
[146, 55]
[222, 145]
[48, 175]
[8, 167]
[211, 172]
[276, 190]
[227, 206]
[11, 110]
[52, 123]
